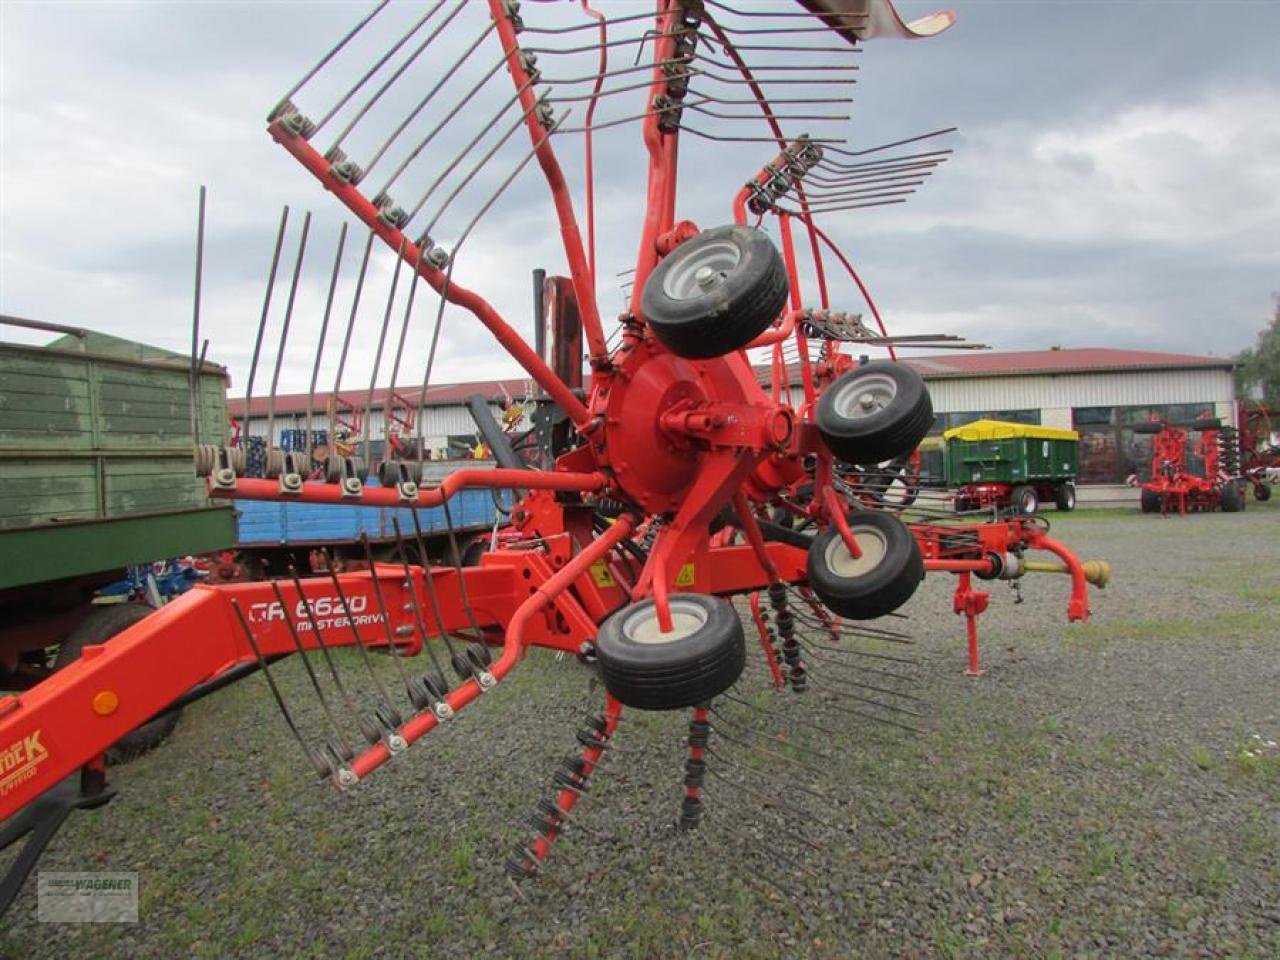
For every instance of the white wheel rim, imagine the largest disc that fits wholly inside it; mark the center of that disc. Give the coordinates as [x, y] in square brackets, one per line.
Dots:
[701, 270]
[871, 543]
[641, 626]
[864, 396]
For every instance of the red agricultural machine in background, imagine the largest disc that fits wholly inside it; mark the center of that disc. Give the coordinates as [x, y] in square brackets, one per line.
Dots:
[1259, 448]
[1174, 484]
[626, 554]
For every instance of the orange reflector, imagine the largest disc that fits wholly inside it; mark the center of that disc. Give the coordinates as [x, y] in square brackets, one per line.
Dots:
[105, 703]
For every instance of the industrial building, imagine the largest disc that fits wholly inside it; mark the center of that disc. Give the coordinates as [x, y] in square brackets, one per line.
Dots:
[1098, 391]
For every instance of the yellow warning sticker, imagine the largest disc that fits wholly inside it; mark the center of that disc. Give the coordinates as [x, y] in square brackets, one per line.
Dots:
[19, 760]
[601, 575]
[685, 577]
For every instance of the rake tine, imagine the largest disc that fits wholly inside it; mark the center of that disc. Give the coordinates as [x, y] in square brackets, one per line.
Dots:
[346, 339]
[873, 718]
[457, 567]
[786, 14]
[324, 329]
[785, 68]
[372, 70]
[497, 193]
[395, 364]
[835, 665]
[197, 361]
[413, 600]
[432, 596]
[808, 647]
[768, 798]
[284, 329]
[369, 732]
[791, 716]
[289, 94]
[802, 213]
[817, 795]
[837, 690]
[347, 752]
[843, 634]
[386, 618]
[764, 736]
[262, 321]
[447, 119]
[594, 47]
[318, 764]
[427, 98]
[471, 145]
[355, 635]
[721, 138]
[479, 164]
[762, 873]
[398, 72]
[896, 143]
[377, 357]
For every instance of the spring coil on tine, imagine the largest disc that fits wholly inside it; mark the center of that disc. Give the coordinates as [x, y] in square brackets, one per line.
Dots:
[573, 774]
[786, 625]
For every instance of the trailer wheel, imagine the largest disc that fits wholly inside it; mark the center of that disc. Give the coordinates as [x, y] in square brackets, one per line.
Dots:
[875, 412]
[1065, 497]
[650, 670]
[98, 627]
[874, 584]
[716, 292]
[1150, 501]
[1261, 492]
[1025, 500]
[1232, 498]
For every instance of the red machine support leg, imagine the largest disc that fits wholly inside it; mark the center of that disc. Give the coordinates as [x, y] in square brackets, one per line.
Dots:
[971, 603]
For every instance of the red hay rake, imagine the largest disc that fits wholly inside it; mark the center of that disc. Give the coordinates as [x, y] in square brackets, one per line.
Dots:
[657, 508]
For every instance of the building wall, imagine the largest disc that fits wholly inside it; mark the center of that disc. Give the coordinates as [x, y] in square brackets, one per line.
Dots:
[437, 423]
[1063, 391]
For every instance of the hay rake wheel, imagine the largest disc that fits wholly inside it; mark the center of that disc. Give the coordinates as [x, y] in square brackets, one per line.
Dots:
[674, 433]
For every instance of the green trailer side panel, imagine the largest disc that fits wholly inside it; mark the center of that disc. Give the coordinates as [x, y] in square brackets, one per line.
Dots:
[42, 491]
[1011, 460]
[55, 551]
[96, 468]
[45, 403]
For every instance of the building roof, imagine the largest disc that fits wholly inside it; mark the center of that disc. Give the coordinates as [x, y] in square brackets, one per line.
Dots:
[985, 363]
[975, 363]
[441, 394]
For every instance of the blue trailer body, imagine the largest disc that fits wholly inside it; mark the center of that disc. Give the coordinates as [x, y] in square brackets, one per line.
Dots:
[262, 522]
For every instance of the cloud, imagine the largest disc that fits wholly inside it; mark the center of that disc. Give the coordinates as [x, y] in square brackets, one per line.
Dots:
[1113, 184]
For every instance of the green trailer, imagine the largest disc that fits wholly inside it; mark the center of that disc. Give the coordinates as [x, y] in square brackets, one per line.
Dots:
[993, 463]
[96, 474]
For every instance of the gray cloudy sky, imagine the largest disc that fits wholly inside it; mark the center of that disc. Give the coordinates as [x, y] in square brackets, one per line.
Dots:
[1116, 179]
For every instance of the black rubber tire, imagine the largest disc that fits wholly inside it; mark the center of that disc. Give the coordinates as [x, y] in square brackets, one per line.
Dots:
[748, 295]
[879, 590]
[99, 626]
[1064, 497]
[1024, 501]
[1150, 501]
[1232, 497]
[691, 669]
[884, 432]
[1261, 492]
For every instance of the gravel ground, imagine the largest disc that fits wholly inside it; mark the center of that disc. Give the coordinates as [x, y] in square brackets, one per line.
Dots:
[1105, 790]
